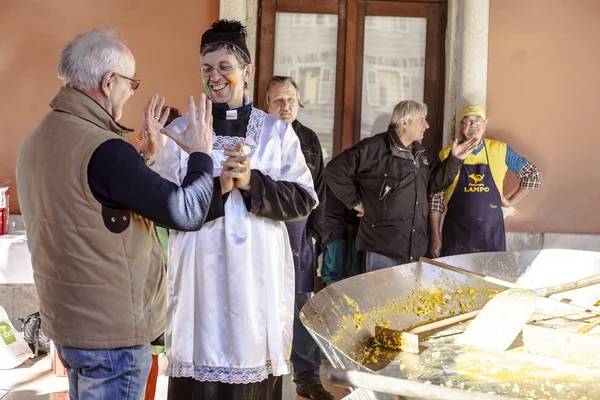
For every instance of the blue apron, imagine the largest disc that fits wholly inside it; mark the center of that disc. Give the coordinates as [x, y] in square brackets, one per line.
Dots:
[302, 251]
[474, 222]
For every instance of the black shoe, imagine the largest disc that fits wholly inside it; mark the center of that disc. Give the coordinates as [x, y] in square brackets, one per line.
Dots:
[316, 392]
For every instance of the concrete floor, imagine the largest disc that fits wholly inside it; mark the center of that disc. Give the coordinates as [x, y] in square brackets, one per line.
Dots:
[34, 380]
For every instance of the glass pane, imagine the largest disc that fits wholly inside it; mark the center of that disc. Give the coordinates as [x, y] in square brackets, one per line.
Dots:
[305, 49]
[393, 68]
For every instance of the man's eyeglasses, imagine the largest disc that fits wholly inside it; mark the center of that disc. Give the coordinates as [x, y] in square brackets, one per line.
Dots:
[473, 122]
[224, 70]
[135, 83]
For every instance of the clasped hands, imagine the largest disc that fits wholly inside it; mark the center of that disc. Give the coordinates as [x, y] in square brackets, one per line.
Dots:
[236, 169]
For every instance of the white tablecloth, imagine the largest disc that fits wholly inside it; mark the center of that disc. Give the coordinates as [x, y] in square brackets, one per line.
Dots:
[15, 259]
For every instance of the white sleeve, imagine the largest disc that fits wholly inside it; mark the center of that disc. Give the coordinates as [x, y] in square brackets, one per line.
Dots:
[168, 160]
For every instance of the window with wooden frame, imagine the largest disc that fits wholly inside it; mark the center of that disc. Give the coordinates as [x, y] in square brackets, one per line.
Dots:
[354, 60]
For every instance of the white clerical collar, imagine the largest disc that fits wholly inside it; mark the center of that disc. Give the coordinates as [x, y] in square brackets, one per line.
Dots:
[231, 114]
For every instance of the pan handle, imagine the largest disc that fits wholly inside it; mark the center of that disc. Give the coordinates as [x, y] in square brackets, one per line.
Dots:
[580, 283]
[472, 274]
[403, 387]
[444, 322]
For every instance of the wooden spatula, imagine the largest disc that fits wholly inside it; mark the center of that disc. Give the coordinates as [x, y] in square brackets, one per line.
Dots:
[504, 316]
[409, 340]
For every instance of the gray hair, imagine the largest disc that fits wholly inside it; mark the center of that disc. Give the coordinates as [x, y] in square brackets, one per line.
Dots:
[278, 79]
[407, 110]
[85, 59]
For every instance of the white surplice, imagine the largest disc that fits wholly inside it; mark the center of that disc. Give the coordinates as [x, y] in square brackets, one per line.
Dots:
[231, 284]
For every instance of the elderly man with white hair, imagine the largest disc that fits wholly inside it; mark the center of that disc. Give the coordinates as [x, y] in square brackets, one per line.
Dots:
[88, 199]
[385, 178]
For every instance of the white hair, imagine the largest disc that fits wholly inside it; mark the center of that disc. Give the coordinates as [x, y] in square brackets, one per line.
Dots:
[85, 59]
[407, 110]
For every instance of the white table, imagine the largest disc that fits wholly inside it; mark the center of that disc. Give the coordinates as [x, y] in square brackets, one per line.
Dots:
[15, 259]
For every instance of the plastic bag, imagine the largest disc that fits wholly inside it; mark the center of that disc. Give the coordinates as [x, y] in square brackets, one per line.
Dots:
[33, 335]
[13, 349]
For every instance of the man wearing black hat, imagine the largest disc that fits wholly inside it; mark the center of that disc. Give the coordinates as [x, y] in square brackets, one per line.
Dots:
[231, 285]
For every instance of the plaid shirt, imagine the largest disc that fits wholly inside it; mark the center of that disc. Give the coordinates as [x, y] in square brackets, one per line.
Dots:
[529, 176]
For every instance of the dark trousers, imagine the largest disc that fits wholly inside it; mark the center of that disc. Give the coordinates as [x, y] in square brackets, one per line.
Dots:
[306, 355]
[191, 389]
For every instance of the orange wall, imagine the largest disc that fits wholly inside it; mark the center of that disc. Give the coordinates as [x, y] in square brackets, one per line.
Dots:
[542, 84]
[163, 35]
[543, 90]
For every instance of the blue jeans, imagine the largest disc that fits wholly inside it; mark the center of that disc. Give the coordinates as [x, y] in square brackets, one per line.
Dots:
[306, 356]
[106, 374]
[376, 261]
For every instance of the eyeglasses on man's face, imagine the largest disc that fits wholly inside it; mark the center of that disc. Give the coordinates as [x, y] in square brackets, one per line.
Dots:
[223, 69]
[135, 83]
[470, 122]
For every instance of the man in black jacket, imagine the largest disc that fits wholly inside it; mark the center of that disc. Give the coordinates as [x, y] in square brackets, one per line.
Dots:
[283, 101]
[385, 178]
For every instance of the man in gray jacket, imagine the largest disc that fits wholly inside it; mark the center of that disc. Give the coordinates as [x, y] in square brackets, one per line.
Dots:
[88, 199]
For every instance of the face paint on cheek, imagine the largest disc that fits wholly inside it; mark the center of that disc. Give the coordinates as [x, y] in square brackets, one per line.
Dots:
[206, 86]
[232, 79]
